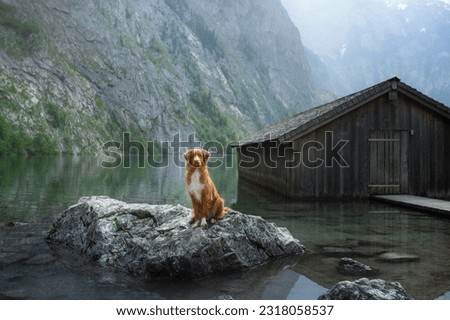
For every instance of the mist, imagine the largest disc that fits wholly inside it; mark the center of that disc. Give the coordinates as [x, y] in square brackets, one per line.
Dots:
[362, 43]
[325, 25]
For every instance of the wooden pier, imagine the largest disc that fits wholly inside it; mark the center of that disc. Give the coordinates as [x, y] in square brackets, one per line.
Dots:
[418, 203]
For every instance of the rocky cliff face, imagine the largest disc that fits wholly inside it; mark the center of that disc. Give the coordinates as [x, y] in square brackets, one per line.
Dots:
[77, 74]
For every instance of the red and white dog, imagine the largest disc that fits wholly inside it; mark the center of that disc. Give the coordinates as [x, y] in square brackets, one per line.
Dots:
[206, 201]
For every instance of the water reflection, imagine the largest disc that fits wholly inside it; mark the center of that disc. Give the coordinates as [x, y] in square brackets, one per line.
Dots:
[33, 191]
[361, 230]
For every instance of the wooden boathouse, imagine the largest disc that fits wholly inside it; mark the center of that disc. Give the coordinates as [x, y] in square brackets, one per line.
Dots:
[386, 139]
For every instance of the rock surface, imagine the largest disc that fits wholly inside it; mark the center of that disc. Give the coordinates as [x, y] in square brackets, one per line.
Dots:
[365, 289]
[158, 241]
[348, 266]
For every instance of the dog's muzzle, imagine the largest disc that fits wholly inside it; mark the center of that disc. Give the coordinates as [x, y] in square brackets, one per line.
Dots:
[195, 164]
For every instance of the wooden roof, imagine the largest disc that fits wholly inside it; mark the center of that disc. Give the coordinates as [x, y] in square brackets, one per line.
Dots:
[307, 121]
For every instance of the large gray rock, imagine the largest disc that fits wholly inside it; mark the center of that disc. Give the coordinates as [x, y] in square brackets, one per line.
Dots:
[158, 241]
[365, 289]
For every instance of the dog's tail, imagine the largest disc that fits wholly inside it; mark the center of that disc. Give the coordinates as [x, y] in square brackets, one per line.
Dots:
[224, 212]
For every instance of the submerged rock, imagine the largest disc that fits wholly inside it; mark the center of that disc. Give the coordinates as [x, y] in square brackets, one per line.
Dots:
[43, 258]
[365, 289]
[158, 241]
[11, 258]
[348, 266]
[395, 257]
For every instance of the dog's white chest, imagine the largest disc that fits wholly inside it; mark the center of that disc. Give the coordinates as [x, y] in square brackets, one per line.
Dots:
[195, 188]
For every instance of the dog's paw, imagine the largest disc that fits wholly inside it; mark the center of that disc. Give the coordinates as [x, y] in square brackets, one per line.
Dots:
[213, 220]
[203, 223]
[195, 224]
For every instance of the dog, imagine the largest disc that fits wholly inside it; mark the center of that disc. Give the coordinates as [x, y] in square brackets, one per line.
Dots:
[206, 201]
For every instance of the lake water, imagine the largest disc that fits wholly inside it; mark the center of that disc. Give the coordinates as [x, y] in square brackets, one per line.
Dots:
[34, 190]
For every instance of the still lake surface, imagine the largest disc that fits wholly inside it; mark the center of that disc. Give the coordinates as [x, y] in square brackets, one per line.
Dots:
[33, 191]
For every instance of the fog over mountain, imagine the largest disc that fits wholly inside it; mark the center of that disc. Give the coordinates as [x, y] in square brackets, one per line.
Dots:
[360, 43]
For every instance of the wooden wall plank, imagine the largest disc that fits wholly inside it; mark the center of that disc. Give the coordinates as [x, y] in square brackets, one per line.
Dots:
[420, 165]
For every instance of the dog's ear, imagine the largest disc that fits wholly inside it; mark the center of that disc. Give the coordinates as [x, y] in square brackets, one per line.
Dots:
[206, 155]
[187, 155]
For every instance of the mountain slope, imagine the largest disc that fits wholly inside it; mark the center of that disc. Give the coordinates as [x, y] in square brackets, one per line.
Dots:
[362, 44]
[77, 74]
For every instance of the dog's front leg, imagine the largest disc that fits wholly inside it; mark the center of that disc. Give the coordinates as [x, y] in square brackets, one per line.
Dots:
[200, 223]
[203, 223]
[196, 213]
[203, 215]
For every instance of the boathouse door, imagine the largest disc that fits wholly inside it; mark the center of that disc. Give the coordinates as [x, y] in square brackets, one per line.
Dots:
[388, 156]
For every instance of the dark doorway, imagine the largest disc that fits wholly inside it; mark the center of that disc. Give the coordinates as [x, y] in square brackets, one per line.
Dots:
[388, 162]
